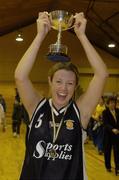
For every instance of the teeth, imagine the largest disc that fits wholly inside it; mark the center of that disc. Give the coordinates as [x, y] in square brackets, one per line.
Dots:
[61, 94]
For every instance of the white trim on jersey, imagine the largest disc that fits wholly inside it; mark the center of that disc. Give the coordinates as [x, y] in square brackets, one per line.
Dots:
[56, 112]
[77, 112]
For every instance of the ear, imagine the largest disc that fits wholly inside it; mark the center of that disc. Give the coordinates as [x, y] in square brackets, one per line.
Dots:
[49, 80]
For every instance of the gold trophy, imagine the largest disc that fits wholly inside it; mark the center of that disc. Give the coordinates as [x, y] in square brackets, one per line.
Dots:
[61, 20]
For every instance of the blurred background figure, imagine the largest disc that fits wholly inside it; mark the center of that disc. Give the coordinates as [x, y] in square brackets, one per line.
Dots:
[117, 102]
[16, 118]
[17, 97]
[3, 112]
[2, 118]
[26, 120]
[97, 128]
[111, 134]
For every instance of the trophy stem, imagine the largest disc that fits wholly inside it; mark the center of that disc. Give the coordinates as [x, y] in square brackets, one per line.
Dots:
[59, 35]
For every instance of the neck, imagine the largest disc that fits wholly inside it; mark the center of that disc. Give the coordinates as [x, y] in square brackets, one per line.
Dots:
[57, 106]
[111, 109]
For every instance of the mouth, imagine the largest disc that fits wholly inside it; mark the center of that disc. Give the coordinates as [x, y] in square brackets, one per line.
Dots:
[61, 96]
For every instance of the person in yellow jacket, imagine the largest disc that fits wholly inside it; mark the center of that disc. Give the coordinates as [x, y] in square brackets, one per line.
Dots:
[98, 125]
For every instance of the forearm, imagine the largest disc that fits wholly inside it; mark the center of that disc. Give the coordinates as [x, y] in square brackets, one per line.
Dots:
[94, 59]
[26, 63]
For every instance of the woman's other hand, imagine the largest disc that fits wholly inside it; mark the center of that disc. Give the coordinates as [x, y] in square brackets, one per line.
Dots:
[43, 24]
[80, 24]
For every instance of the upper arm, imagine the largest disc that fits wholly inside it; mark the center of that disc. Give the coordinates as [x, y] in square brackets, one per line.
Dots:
[28, 94]
[88, 101]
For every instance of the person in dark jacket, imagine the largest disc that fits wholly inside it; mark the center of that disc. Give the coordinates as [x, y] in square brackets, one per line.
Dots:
[111, 134]
[16, 118]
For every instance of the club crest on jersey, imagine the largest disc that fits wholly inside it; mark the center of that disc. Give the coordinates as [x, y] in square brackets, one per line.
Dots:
[69, 124]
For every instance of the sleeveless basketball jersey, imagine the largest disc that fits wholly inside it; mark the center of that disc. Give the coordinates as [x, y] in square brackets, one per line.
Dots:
[68, 162]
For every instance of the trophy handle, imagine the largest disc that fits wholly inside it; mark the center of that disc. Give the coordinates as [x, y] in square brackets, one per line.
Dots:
[71, 22]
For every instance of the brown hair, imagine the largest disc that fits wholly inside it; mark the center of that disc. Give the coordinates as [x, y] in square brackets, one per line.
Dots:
[111, 99]
[67, 66]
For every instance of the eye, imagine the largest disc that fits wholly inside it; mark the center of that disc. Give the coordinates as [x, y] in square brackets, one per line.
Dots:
[58, 81]
[70, 83]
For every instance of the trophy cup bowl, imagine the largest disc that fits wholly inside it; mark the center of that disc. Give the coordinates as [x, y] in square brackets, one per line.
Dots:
[61, 20]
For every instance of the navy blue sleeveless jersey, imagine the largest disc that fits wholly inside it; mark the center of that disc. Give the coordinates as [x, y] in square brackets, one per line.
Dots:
[68, 162]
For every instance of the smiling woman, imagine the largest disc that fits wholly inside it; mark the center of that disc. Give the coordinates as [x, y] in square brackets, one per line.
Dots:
[55, 138]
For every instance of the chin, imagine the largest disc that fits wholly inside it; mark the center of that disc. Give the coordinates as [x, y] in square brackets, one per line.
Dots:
[61, 103]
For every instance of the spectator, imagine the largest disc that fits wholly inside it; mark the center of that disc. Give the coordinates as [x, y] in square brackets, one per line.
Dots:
[16, 118]
[98, 132]
[2, 117]
[111, 134]
[3, 103]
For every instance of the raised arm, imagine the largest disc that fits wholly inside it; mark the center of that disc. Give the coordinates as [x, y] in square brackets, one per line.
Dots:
[28, 94]
[88, 101]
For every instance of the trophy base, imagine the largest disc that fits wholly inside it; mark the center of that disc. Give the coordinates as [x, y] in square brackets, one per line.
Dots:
[58, 57]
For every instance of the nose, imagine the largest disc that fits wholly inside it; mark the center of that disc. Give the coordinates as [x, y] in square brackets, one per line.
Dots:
[64, 87]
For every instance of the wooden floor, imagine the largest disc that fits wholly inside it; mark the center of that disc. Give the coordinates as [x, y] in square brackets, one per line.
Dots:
[12, 154]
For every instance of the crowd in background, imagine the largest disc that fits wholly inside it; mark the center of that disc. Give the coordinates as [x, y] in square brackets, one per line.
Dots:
[103, 130]
[19, 115]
